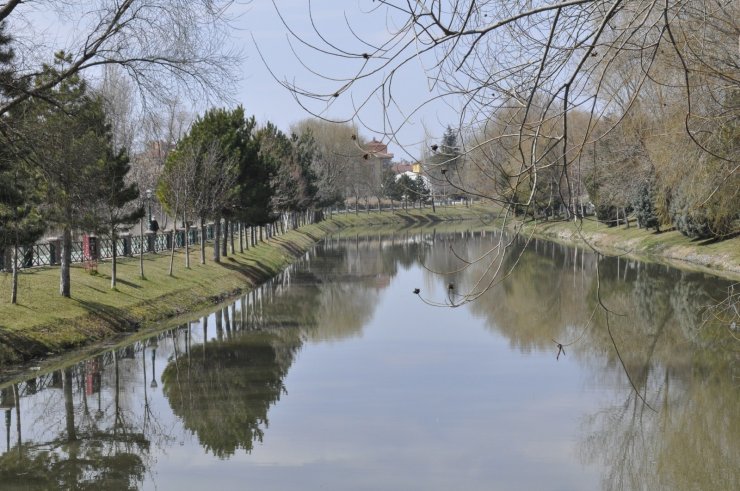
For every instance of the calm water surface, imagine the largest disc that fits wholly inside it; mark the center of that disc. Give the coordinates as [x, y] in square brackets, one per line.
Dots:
[335, 376]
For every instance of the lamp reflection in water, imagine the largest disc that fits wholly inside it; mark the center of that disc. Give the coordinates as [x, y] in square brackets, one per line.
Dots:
[154, 345]
[7, 428]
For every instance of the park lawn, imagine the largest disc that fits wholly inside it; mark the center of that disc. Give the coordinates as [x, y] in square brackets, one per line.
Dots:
[44, 322]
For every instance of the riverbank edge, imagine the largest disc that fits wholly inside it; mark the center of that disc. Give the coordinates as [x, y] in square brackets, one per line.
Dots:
[42, 341]
[720, 259]
[21, 347]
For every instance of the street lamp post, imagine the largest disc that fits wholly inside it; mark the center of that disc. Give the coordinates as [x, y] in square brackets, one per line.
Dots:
[149, 206]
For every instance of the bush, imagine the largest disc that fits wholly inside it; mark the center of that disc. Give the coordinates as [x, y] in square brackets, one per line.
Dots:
[607, 214]
[699, 220]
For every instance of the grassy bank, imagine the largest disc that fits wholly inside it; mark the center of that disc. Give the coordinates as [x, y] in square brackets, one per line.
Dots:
[44, 323]
[717, 257]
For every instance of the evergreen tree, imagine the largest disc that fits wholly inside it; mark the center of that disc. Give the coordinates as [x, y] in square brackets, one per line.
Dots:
[443, 165]
[407, 189]
[9, 83]
[67, 141]
[20, 218]
[449, 143]
[255, 191]
[21, 222]
[304, 152]
[390, 187]
[422, 190]
[293, 177]
[644, 205]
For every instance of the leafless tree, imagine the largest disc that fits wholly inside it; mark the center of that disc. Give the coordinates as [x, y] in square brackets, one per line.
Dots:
[215, 180]
[337, 145]
[165, 47]
[181, 191]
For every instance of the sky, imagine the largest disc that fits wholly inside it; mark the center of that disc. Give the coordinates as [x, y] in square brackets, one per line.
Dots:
[258, 28]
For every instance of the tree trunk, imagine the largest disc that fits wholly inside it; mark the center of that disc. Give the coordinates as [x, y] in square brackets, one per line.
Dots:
[14, 289]
[113, 258]
[224, 242]
[241, 237]
[216, 241]
[202, 241]
[187, 240]
[141, 249]
[231, 236]
[64, 279]
[173, 241]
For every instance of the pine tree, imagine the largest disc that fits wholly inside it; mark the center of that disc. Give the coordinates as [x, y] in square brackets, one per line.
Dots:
[67, 141]
[7, 75]
[20, 217]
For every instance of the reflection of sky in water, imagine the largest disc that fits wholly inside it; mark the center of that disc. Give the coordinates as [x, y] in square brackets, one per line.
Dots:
[425, 399]
[419, 398]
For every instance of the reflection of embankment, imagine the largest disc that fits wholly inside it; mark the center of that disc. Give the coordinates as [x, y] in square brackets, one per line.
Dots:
[544, 296]
[330, 295]
[690, 443]
[683, 368]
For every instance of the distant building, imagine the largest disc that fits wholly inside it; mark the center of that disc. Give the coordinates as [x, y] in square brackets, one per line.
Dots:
[155, 152]
[379, 150]
[401, 167]
[406, 166]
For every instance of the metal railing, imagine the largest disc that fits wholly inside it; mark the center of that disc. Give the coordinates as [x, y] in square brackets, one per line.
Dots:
[49, 253]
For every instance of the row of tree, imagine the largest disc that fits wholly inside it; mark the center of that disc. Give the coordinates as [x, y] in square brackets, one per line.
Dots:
[59, 168]
[628, 107]
[67, 165]
[638, 162]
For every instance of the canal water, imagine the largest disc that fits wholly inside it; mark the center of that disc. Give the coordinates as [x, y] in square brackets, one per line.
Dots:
[573, 373]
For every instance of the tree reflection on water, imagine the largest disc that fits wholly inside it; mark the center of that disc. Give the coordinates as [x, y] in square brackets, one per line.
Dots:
[681, 364]
[223, 390]
[91, 449]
